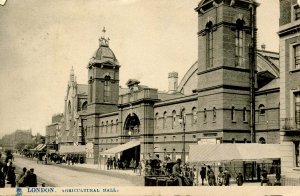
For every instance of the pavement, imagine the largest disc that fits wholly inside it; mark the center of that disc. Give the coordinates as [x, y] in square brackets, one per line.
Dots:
[129, 172]
[136, 178]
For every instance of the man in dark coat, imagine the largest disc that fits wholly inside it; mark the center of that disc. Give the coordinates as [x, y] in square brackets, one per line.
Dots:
[20, 180]
[203, 174]
[32, 179]
[227, 177]
[239, 179]
[2, 178]
[211, 177]
[176, 171]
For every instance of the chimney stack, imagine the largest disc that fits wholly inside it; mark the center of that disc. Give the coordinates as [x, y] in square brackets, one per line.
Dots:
[263, 46]
[173, 82]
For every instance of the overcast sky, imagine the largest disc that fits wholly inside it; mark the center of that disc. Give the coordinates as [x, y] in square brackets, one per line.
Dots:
[41, 40]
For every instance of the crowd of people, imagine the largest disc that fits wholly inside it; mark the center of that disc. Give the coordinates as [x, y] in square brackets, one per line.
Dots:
[113, 163]
[186, 174]
[27, 178]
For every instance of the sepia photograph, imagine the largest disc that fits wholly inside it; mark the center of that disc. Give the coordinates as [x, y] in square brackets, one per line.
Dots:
[134, 97]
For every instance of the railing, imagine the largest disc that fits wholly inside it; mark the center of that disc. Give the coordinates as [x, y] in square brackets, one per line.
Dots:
[290, 124]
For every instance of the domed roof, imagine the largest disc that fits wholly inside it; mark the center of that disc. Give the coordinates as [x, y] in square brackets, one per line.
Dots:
[104, 53]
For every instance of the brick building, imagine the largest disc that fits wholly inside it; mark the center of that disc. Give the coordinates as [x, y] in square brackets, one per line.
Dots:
[9, 141]
[289, 34]
[211, 104]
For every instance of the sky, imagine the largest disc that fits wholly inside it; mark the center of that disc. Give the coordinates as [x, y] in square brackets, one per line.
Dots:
[41, 40]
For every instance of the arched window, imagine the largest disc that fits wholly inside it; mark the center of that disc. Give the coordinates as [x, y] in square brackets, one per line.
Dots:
[239, 43]
[107, 90]
[117, 125]
[156, 120]
[69, 109]
[233, 140]
[209, 44]
[165, 119]
[91, 89]
[204, 115]
[102, 126]
[194, 115]
[106, 127]
[233, 114]
[245, 114]
[214, 114]
[111, 125]
[262, 140]
[84, 105]
[183, 116]
[262, 109]
[173, 118]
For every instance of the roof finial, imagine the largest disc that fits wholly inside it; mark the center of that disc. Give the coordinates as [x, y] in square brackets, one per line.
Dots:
[103, 40]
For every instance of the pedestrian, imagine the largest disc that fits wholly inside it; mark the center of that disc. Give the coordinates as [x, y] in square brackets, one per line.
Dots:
[134, 166]
[202, 175]
[21, 177]
[2, 178]
[11, 176]
[191, 175]
[227, 177]
[258, 171]
[220, 178]
[108, 163]
[131, 164]
[114, 163]
[176, 171]
[277, 181]
[239, 179]
[111, 163]
[119, 164]
[211, 177]
[1, 162]
[265, 180]
[32, 179]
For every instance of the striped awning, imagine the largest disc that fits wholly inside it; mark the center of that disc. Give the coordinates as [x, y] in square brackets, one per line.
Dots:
[39, 147]
[233, 152]
[121, 148]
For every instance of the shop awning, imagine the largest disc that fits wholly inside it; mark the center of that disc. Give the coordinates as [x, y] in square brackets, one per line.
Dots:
[39, 147]
[121, 148]
[80, 149]
[233, 152]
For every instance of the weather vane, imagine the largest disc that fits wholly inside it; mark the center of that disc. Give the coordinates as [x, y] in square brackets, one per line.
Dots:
[103, 40]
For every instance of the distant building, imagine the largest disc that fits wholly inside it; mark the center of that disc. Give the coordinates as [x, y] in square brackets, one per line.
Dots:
[53, 131]
[9, 141]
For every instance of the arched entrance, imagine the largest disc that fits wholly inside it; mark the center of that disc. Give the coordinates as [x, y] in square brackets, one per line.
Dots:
[132, 126]
[132, 131]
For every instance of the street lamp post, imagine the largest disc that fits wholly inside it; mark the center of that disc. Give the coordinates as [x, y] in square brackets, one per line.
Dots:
[182, 121]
